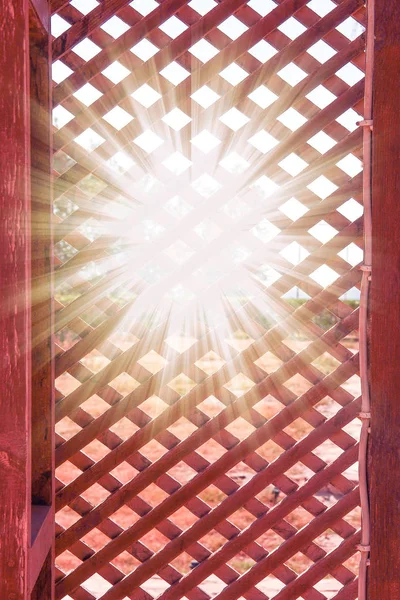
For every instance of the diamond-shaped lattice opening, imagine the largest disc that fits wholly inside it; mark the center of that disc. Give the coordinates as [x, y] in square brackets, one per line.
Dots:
[239, 385]
[292, 119]
[148, 141]
[352, 254]
[124, 384]
[206, 186]
[234, 119]
[205, 96]
[240, 428]
[89, 140]
[182, 428]
[293, 209]
[61, 116]
[175, 73]
[321, 97]
[322, 142]
[176, 119]
[120, 162]
[322, 187]
[234, 74]
[293, 164]
[177, 163]
[86, 49]
[292, 74]
[203, 50]
[321, 51]
[263, 97]
[265, 230]
[182, 384]
[205, 141]
[292, 28]
[115, 27]
[116, 72]
[87, 94]
[232, 27]
[351, 165]
[210, 363]
[118, 117]
[146, 95]
[152, 362]
[262, 51]
[211, 406]
[173, 27]
[263, 141]
[351, 209]
[60, 71]
[144, 50]
[323, 232]
[95, 361]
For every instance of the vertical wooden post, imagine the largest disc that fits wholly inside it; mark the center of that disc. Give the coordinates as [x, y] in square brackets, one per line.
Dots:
[15, 356]
[384, 582]
[42, 550]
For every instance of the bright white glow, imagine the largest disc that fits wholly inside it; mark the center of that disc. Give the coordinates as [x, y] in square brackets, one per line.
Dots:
[321, 7]
[264, 186]
[205, 141]
[177, 163]
[352, 254]
[234, 163]
[294, 253]
[265, 231]
[120, 162]
[206, 185]
[148, 141]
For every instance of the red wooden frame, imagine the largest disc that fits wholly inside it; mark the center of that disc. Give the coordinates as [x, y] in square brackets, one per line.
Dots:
[27, 438]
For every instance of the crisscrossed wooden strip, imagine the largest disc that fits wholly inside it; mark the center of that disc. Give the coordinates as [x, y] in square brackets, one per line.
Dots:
[99, 296]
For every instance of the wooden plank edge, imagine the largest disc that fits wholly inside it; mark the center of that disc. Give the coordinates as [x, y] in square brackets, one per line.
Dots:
[42, 535]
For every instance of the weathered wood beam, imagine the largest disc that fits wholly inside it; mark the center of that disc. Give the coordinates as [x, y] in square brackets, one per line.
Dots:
[384, 580]
[15, 313]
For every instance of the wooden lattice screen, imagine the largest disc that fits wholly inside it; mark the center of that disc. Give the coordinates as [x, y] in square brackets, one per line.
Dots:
[208, 241]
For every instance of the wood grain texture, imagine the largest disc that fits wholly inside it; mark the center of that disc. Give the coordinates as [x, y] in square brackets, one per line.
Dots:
[42, 553]
[15, 301]
[385, 336]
